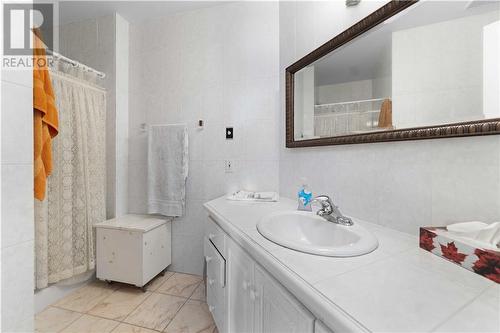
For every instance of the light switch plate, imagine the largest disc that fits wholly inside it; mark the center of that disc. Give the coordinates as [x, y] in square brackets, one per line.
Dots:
[229, 133]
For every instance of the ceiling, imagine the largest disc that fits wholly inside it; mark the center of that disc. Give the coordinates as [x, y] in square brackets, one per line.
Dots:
[132, 11]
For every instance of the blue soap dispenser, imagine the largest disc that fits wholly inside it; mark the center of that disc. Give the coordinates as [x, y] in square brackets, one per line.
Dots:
[304, 196]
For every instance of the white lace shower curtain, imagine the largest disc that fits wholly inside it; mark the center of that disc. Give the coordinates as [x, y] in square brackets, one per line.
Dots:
[75, 200]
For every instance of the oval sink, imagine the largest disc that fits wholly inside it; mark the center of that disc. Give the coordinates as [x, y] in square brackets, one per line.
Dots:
[310, 233]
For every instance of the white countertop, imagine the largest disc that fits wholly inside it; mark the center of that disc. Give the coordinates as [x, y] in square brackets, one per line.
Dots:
[397, 288]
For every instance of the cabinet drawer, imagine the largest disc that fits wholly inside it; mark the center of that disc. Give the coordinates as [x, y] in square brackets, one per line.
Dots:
[216, 281]
[215, 234]
[216, 265]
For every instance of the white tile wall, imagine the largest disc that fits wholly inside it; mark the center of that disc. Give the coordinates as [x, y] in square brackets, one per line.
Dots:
[402, 185]
[17, 202]
[217, 64]
[122, 113]
[102, 43]
[17, 287]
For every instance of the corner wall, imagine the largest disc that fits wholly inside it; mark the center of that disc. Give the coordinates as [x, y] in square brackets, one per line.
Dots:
[17, 217]
[218, 64]
[102, 43]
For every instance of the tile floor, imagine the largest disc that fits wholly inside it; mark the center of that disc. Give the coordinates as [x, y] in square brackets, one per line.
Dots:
[173, 303]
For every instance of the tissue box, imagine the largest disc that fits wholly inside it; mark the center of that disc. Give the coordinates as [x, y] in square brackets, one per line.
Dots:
[469, 255]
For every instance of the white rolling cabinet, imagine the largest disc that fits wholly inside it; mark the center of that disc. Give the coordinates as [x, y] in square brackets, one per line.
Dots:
[132, 248]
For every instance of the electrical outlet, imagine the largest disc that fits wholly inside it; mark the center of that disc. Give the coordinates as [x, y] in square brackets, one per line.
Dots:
[228, 166]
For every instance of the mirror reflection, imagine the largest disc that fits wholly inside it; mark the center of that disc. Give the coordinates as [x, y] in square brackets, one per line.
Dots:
[435, 63]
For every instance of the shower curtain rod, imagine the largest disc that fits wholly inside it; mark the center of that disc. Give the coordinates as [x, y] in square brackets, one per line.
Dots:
[75, 63]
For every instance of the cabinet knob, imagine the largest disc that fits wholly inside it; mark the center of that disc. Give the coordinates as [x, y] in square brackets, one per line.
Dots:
[254, 295]
[245, 285]
[211, 281]
[211, 236]
[208, 259]
[211, 308]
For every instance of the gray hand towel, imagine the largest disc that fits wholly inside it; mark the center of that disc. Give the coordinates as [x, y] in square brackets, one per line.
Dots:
[167, 169]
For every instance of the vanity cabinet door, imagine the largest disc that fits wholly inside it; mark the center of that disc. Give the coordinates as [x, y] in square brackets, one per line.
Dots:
[240, 280]
[276, 310]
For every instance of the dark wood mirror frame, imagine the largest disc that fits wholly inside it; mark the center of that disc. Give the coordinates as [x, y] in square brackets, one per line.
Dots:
[469, 128]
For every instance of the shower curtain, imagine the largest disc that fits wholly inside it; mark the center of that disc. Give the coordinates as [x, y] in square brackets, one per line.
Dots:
[75, 200]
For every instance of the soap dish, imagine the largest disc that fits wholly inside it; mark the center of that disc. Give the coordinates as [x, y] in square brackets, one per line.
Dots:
[466, 253]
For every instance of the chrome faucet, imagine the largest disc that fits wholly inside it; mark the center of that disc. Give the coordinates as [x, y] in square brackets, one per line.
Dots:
[330, 212]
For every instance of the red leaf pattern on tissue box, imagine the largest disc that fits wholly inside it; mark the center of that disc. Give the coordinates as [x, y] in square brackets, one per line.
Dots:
[450, 252]
[485, 262]
[427, 240]
[488, 264]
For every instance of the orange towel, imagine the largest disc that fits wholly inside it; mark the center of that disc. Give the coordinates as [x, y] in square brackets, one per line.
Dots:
[385, 115]
[45, 121]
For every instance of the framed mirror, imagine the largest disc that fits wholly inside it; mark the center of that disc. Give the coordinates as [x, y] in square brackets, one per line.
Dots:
[410, 70]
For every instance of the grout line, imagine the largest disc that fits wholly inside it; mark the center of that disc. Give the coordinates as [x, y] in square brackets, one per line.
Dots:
[192, 293]
[117, 324]
[350, 270]
[168, 278]
[101, 317]
[120, 286]
[133, 324]
[199, 284]
[136, 325]
[441, 323]
[69, 324]
[138, 305]
[175, 315]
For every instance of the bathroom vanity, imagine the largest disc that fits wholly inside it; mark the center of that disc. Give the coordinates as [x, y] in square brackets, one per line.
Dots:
[254, 285]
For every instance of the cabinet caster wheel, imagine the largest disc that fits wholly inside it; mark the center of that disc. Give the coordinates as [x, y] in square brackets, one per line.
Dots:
[143, 289]
[109, 282]
[162, 273]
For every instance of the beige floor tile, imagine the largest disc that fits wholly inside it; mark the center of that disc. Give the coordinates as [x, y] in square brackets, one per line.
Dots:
[85, 298]
[120, 303]
[193, 317]
[200, 293]
[158, 281]
[54, 319]
[126, 328]
[156, 311]
[180, 285]
[91, 324]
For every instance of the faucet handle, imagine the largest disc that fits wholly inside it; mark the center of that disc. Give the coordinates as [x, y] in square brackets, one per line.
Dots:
[330, 212]
[326, 204]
